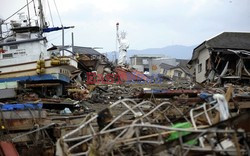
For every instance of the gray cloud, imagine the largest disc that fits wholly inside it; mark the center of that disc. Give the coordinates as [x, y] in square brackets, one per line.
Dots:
[149, 23]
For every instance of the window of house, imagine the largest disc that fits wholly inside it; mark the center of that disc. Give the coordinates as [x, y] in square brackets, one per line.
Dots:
[199, 68]
[177, 73]
[208, 66]
[146, 69]
[13, 47]
[144, 61]
[165, 71]
[139, 61]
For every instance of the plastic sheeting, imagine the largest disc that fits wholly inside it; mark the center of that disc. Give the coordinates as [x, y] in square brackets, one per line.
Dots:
[43, 77]
[222, 106]
[9, 107]
[46, 30]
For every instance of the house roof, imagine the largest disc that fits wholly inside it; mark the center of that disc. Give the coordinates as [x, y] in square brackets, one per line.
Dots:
[85, 50]
[182, 65]
[184, 69]
[148, 55]
[78, 49]
[225, 40]
[182, 62]
[166, 66]
[230, 40]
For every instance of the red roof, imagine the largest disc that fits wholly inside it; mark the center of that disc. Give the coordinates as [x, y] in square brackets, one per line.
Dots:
[130, 75]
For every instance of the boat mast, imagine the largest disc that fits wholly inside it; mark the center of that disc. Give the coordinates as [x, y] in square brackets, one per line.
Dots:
[1, 22]
[41, 15]
[28, 12]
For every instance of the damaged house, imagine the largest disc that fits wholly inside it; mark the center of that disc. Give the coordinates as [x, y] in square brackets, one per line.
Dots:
[179, 71]
[223, 58]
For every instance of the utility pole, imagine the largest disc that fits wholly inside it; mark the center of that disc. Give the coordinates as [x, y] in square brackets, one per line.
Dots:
[62, 40]
[72, 39]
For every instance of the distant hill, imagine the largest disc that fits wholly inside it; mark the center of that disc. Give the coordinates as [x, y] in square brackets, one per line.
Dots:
[174, 51]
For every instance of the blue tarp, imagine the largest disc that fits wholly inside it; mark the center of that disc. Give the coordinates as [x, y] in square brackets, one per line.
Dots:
[42, 77]
[54, 29]
[206, 96]
[21, 106]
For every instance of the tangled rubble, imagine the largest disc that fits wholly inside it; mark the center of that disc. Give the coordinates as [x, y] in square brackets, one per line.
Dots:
[137, 116]
[130, 128]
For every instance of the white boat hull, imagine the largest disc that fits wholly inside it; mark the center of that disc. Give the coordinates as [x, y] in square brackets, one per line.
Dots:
[29, 69]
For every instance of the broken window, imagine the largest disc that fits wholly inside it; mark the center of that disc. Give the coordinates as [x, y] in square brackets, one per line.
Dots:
[9, 55]
[177, 73]
[144, 61]
[208, 66]
[199, 68]
[146, 69]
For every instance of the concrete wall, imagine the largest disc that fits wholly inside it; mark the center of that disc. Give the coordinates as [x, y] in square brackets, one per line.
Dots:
[203, 56]
[139, 60]
[132, 61]
[139, 67]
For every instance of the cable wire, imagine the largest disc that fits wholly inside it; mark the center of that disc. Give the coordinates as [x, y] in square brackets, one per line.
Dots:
[34, 7]
[50, 13]
[58, 12]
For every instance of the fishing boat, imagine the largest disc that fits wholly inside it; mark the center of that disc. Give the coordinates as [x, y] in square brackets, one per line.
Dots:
[24, 54]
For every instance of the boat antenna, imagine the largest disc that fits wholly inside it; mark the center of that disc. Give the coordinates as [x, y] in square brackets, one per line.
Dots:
[41, 15]
[28, 12]
[34, 7]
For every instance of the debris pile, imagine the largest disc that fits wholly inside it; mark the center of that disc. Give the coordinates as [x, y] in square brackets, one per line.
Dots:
[102, 109]
[70, 100]
[128, 118]
[130, 128]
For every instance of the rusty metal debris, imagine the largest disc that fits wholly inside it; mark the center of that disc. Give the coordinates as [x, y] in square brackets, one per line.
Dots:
[142, 129]
[128, 118]
[82, 104]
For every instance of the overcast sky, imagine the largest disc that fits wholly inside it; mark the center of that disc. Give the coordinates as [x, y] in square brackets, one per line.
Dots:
[149, 23]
